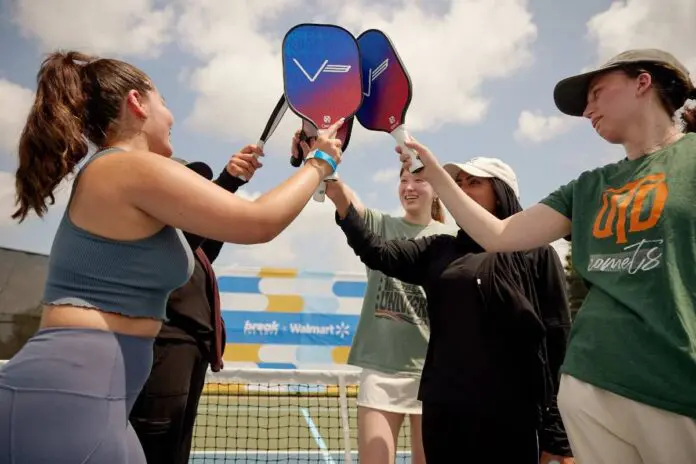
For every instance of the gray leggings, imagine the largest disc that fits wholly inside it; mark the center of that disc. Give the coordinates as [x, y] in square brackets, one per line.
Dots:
[65, 397]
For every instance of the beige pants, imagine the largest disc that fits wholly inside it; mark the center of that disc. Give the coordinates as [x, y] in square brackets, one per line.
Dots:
[605, 428]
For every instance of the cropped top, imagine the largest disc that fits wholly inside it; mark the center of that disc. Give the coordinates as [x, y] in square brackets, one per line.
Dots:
[129, 277]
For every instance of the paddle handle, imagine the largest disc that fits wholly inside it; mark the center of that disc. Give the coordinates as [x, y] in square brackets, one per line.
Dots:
[297, 162]
[320, 192]
[401, 135]
[307, 133]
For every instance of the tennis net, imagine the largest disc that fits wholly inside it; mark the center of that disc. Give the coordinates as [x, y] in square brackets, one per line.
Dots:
[281, 416]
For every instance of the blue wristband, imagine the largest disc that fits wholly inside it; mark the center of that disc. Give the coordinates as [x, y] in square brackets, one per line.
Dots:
[323, 156]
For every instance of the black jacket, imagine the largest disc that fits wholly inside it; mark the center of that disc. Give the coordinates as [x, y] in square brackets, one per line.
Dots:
[499, 323]
[189, 316]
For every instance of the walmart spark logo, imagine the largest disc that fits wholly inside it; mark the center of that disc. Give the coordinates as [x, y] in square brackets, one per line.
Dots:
[342, 330]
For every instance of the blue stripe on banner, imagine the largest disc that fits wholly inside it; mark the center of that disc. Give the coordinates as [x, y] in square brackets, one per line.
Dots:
[233, 284]
[289, 328]
[270, 365]
[349, 289]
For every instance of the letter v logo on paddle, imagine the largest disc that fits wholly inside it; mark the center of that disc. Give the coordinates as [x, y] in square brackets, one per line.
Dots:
[325, 67]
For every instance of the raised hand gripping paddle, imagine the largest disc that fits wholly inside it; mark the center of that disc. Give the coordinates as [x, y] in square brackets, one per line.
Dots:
[387, 90]
[272, 123]
[343, 135]
[322, 78]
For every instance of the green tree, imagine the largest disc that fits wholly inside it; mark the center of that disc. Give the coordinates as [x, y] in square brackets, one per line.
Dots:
[577, 290]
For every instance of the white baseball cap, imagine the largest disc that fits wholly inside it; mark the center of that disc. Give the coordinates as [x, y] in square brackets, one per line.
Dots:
[485, 167]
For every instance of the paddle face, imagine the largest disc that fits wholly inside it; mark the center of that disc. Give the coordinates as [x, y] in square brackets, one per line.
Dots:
[386, 84]
[321, 73]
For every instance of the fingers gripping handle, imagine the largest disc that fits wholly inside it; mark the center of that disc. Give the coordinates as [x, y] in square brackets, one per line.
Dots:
[296, 162]
[307, 133]
[402, 136]
[260, 145]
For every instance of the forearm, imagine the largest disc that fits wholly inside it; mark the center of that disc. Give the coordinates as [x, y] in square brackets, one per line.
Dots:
[533, 227]
[212, 247]
[401, 259]
[285, 202]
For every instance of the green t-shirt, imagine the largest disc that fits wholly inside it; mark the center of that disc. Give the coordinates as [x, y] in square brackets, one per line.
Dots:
[392, 333]
[634, 241]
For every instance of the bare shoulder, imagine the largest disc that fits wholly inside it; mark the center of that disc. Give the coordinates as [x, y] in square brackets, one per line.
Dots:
[140, 172]
[101, 204]
[135, 162]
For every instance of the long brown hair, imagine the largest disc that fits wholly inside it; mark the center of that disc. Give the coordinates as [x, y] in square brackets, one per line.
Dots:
[78, 100]
[437, 212]
[672, 89]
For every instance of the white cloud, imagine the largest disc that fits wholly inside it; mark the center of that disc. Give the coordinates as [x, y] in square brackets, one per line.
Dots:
[448, 56]
[386, 176]
[665, 24]
[535, 127]
[313, 241]
[125, 27]
[7, 191]
[34, 234]
[7, 196]
[16, 102]
[241, 80]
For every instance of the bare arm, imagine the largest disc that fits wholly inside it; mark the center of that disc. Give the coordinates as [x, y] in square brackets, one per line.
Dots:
[533, 227]
[338, 192]
[177, 196]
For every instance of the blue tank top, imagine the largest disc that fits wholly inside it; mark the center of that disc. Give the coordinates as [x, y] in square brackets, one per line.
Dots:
[129, 277]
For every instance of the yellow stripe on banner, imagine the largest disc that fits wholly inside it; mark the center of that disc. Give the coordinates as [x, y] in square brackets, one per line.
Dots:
[340, 354]
[225, 389]
[285, 303]
[277, 272]
[242, 352]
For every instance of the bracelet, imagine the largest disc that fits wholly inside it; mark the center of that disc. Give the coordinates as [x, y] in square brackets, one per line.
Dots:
[323, 156]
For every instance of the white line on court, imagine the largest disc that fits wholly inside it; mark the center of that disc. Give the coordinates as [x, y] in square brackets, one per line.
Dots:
[317, 436]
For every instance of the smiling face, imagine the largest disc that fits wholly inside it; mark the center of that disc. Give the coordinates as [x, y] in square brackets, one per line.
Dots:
[415, 194]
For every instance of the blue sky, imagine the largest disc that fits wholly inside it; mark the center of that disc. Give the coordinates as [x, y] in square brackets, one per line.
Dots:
[483, 73]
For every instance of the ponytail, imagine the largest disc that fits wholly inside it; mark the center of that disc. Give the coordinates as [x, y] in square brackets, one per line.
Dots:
[52, 140]
[436, 211]
[78, 99]
[688, 115]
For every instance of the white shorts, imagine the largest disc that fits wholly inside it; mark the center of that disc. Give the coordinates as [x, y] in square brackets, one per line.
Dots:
[605, 428]
[389, 392]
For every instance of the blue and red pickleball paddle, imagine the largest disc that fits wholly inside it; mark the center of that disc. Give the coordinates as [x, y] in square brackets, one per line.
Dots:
[387, 90]
[322, 78]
